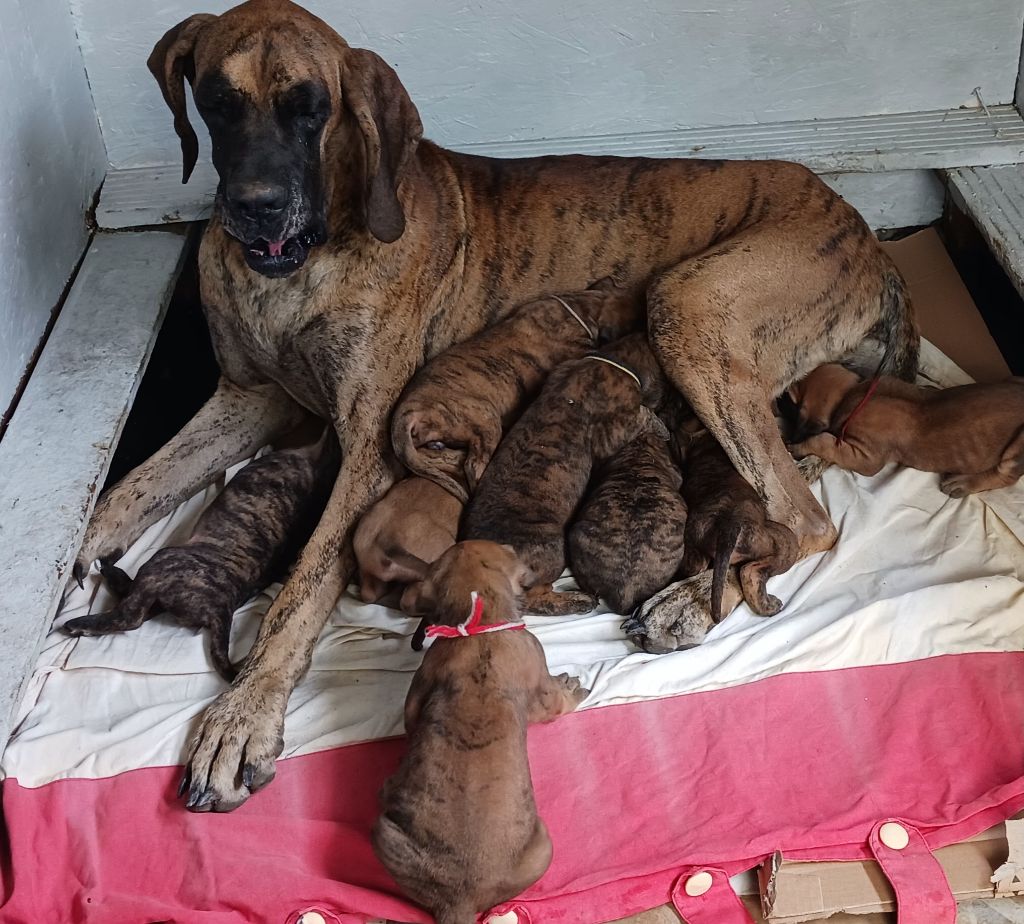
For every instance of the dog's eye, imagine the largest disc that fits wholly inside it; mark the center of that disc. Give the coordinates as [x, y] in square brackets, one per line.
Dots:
[434, 446]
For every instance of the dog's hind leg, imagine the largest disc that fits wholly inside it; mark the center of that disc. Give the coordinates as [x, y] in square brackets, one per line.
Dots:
[130, 614]
[736, 325]
[1007, 473]
[117, 580]
[544, 600]
[233, 424]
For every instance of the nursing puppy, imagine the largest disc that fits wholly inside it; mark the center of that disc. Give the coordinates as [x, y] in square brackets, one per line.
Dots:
[727, 524]
[973, 435]
[451, 416]
[458, 829]
[413, 523]
[246, 539]
[627, 541]
[588, 410]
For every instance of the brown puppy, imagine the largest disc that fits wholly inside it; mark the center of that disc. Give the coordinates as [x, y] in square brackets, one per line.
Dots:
[244, 540]
[458, 828]
[344, 251]
[453, 413]
[627, 541]
[587, 411]
[416, 518]
[972, 434]
[727, 524]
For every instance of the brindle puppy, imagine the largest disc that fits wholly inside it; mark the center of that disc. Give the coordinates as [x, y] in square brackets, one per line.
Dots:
[727, 524]
[973, 434]
[627, 541]
[452, 415]
[416, 520]
[344, 251]
[588, 410]
[245, 540]
[458, 829]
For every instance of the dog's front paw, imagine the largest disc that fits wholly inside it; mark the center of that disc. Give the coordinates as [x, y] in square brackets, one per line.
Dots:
[234, 750]
[676, 618]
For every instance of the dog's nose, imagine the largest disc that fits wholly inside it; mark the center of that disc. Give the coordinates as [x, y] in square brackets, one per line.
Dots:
[257, 200]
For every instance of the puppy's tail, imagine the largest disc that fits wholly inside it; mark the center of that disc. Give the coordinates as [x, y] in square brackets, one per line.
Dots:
[220, 637]
[724, 547]
[897, 329]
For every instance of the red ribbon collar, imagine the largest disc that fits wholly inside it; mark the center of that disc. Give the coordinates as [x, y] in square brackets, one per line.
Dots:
[472, 625]
[860, 407]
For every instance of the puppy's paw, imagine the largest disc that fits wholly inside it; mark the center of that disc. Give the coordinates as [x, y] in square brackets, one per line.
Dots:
[957, 486]
[676, 618]
[573, 688]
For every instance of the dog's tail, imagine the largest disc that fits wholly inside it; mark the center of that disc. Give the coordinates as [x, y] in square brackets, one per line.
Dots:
[724, 547]
[897, 329]
[220, 638]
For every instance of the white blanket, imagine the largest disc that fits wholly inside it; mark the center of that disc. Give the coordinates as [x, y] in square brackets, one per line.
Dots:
[913, 575]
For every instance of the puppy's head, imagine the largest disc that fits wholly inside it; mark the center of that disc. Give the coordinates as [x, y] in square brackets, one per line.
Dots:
[610, 309]
[300, 124]
[449, 452]
[816, 398]
[492, 571]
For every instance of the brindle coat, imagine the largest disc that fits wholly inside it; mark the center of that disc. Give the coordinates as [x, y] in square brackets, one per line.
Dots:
[459, 830]
[587, 411]
[245, 540]
[453, 413]
[973, 435]
[344, 252]
[728, 524]
[626, 543]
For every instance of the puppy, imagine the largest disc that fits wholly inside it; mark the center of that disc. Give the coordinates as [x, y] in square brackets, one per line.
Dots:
[413, 523]
[973, 435]
[626, 543]
[588, 410]
[458, 829]
[246, 539]
[727, 524]
[451, 416]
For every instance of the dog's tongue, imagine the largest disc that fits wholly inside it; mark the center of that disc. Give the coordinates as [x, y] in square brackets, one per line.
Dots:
[275, 248]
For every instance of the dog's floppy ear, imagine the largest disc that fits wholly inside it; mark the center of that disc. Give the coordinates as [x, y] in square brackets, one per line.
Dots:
[604, 284]
[654, 424]
[391, 129]
[170, 63]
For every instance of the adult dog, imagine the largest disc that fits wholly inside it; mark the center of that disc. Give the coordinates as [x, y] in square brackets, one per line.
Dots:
[344, 252]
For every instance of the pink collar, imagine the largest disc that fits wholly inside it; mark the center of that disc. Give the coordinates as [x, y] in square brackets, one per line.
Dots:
[472, 625]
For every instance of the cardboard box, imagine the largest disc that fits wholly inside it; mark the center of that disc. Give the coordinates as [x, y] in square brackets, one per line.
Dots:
[793, 892]
[945, 310]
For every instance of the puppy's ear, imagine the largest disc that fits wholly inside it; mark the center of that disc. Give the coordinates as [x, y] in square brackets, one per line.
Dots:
[478, 453]
[604, 284]
[171, 61]
[654, 424]
[419, 599]
[391, 129]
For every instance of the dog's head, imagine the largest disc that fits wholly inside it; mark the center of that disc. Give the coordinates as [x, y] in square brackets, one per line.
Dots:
[817, 397]
[475, 566]
[306, 131]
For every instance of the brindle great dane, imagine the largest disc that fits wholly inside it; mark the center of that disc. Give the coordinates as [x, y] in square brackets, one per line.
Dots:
[344, 252]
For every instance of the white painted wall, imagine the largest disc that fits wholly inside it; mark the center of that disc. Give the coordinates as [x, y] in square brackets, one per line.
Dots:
[51, 163]
[495, 70]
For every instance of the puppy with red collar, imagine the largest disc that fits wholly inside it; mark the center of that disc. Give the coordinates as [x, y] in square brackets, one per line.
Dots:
[458, 829]
[972, 435]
